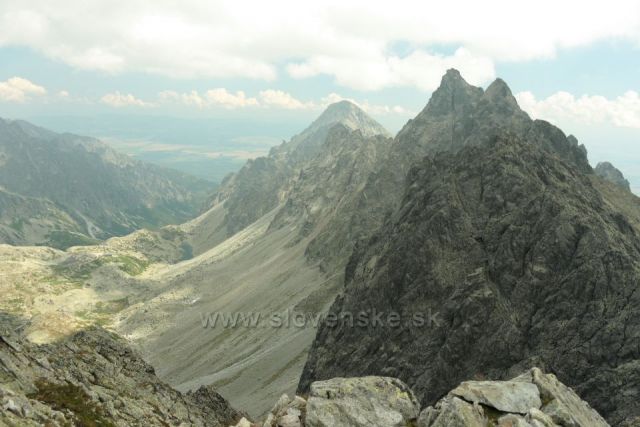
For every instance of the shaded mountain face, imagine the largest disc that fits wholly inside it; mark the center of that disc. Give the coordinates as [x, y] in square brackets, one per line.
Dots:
[503, 251]
[263, 183]
[64, 188]
[612, 174]
[457, 115]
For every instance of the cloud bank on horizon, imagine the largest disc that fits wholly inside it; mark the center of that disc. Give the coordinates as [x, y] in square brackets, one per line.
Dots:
[350, 41]
[360, 46]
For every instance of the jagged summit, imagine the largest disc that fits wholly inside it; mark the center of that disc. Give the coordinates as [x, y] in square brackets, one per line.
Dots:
[498, 88]
[499, 92]
[453, 94]
[460, 114]
[496, 223]
[453, 77]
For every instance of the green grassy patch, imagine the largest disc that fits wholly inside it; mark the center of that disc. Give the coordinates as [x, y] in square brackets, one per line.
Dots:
[82, 314]
[72, 398]
[112, 307]
[63, 240]
[130, 265]
[18, 225]
[13, 305]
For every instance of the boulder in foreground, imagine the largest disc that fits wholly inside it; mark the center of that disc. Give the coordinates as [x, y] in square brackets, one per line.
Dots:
[533, 399]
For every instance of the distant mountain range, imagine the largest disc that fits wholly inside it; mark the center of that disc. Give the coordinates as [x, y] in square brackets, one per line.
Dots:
[62, 189]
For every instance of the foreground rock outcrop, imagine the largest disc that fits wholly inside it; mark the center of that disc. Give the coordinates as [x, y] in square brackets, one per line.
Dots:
[361, 401]
[95, 379]
[533, 399]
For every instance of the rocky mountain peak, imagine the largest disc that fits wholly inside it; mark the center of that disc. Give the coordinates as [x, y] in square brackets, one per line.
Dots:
[498, 88]
[305, 145]
[499, 92]
[452, 77]
[350, 115]
[453, 93]
[609, 172]
[261, 184]
[459, 114]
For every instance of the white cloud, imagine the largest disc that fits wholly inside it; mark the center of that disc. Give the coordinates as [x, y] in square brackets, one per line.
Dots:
[219, 97]
[190, 98]
[370, 108]
[118, 100]
[227, 99]
[419, 69]
[623, 111]
[17, 89]
[353, 42]
[267, 99]
[280, 99]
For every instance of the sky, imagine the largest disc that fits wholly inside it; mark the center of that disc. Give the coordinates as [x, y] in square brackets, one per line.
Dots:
[205, 85]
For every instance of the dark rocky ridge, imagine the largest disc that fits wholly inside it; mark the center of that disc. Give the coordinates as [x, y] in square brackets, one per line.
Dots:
[609, 172]
[502, 235]
[457, 115]
[95, 379]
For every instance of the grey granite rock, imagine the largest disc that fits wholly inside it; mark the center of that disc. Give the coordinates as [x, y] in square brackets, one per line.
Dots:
[533, 399]
[506, 396]
[365, 402]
